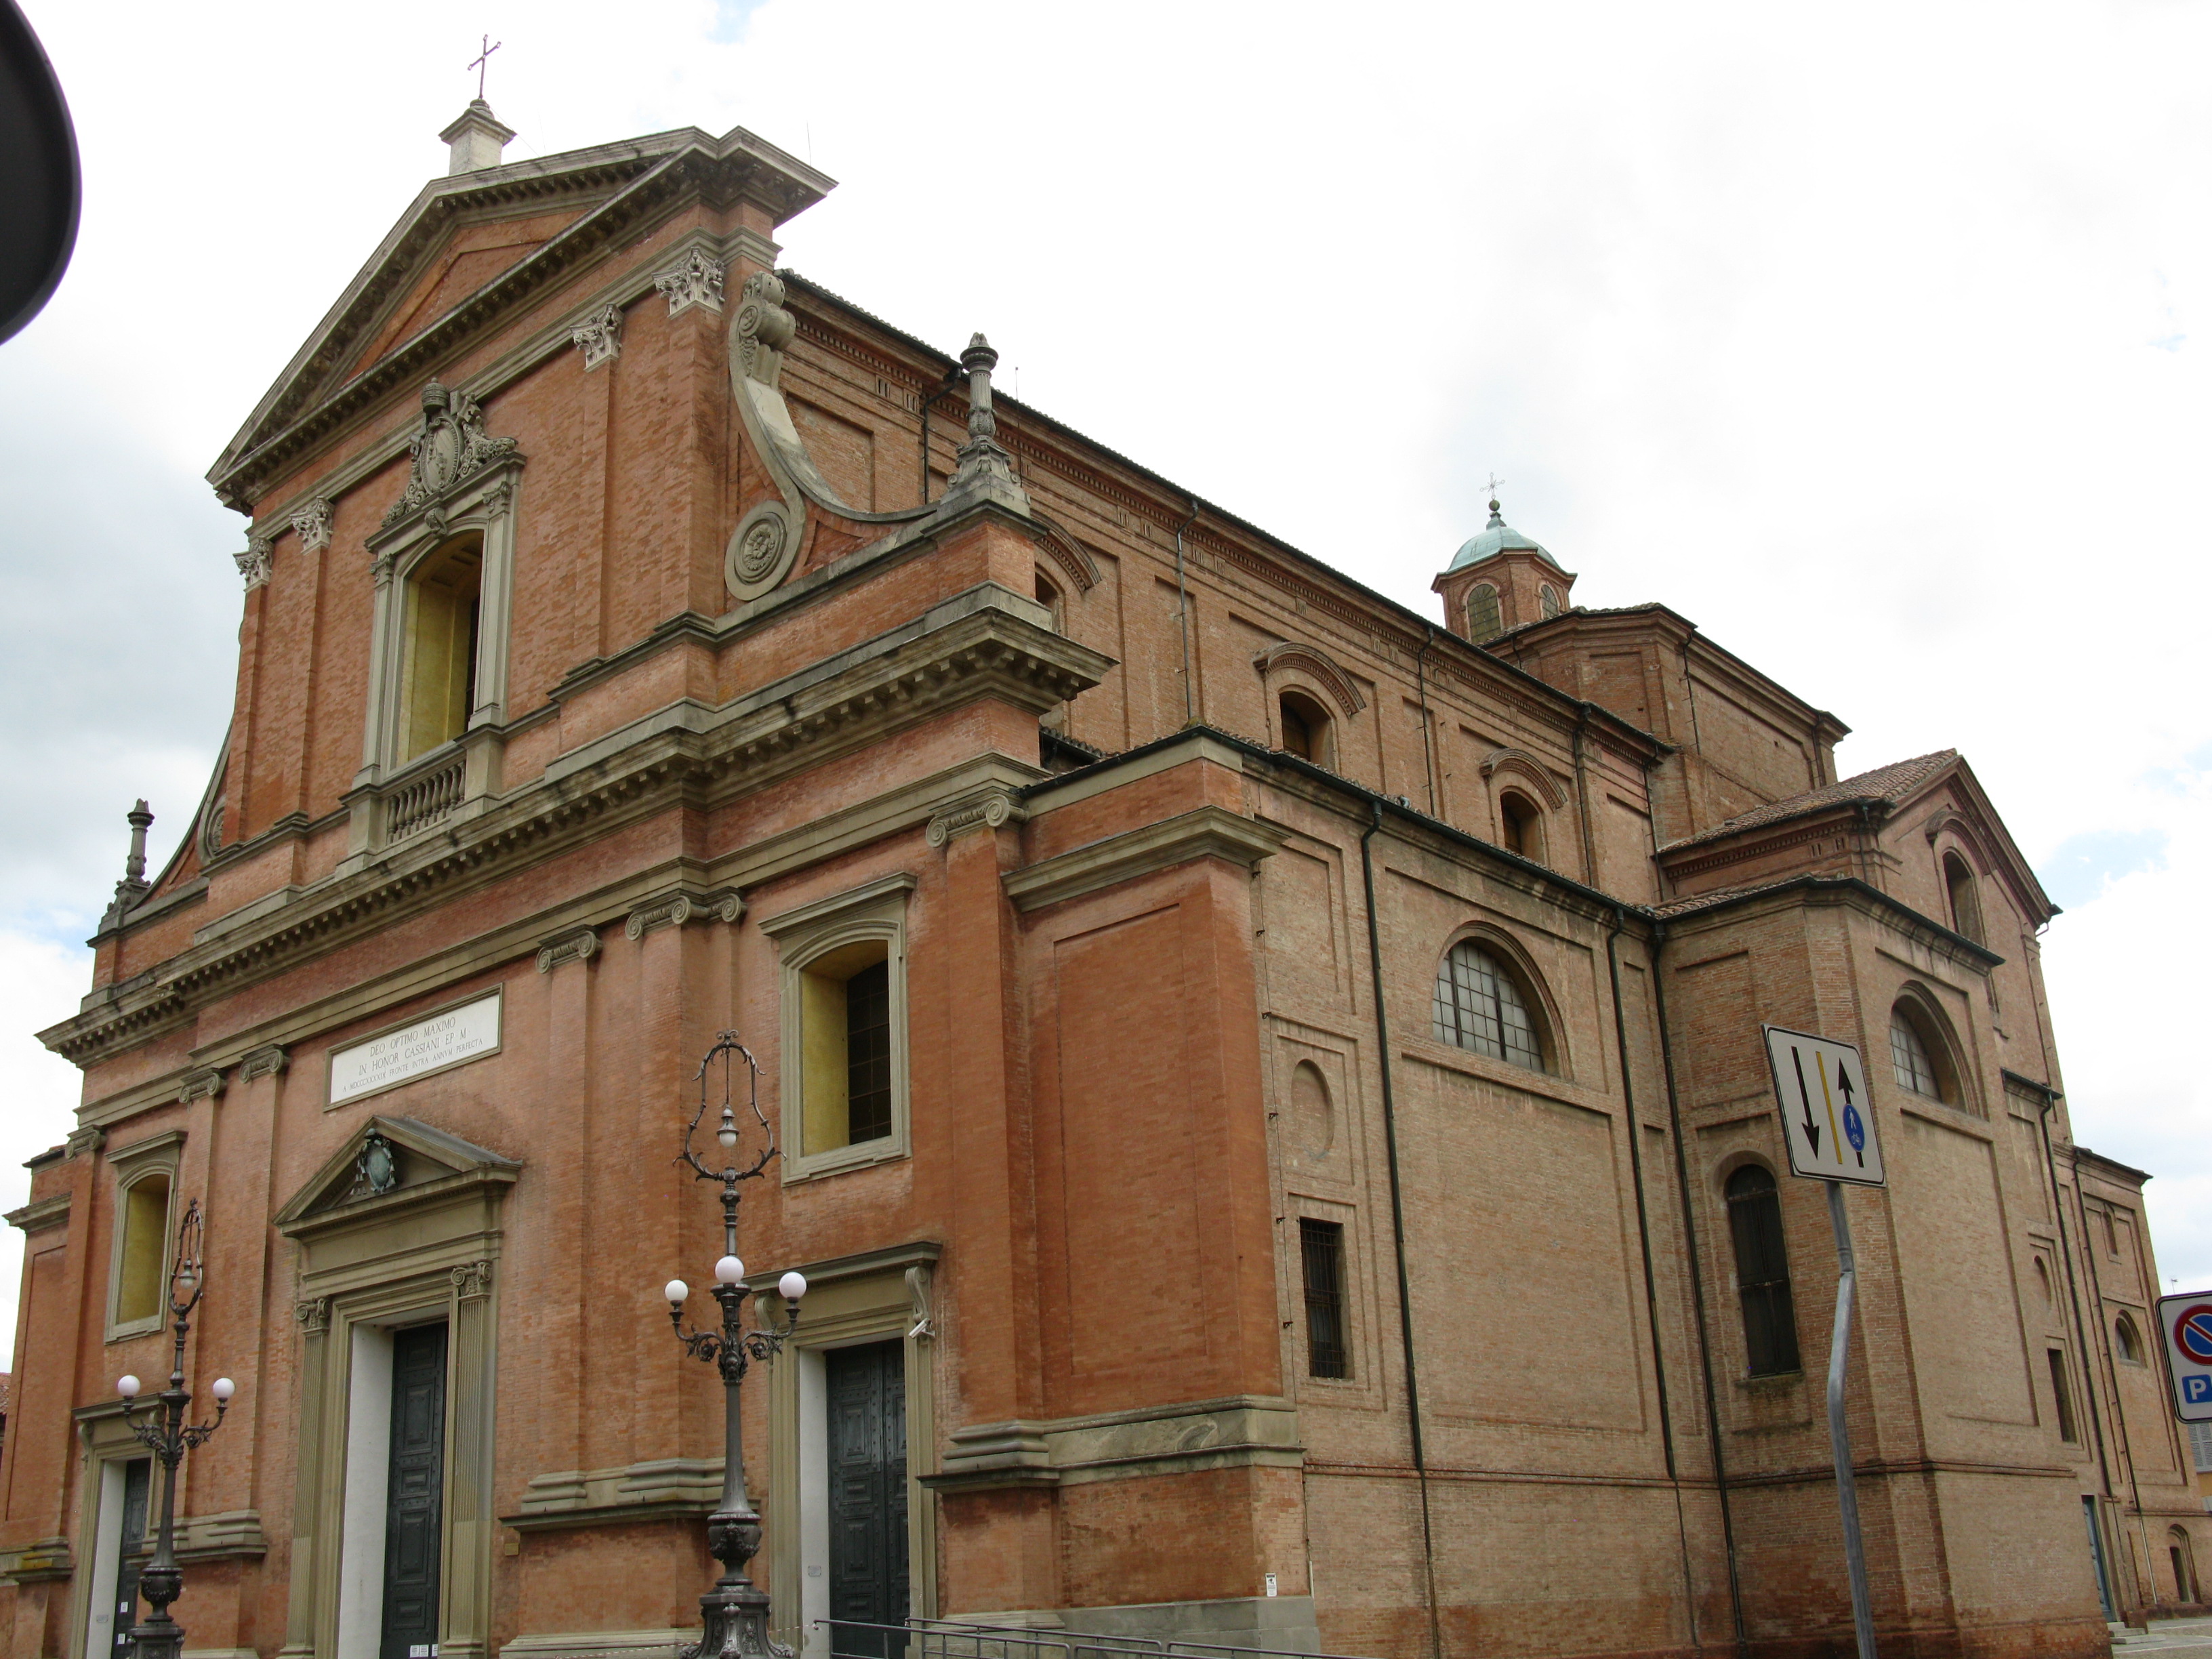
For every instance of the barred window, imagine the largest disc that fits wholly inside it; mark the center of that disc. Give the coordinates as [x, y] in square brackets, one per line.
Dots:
[1321, 1245]
[1762, 1273]
[1909, 1056]
[1478, 1006]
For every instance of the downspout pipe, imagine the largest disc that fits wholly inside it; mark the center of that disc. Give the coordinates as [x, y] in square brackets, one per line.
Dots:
[1182, 615]
[1650, 1278]
[1428, 732]
[953, 377]
[1713, 1430]
[1398, 1233]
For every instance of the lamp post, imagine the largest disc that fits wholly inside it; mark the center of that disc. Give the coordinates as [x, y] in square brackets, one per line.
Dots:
[169, 1437]
[736, 1609]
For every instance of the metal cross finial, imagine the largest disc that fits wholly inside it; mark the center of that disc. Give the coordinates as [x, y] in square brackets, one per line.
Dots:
[1495, 484]
[483, 63]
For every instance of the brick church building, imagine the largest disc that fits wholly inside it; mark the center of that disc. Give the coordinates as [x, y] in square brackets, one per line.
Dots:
[1270, 1082]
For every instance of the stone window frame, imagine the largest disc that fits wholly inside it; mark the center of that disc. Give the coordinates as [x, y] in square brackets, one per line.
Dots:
[157, 1155]
[483, 506]
[1921, 1009]
[1723, 1174]
[875, 910]
[878, 1296]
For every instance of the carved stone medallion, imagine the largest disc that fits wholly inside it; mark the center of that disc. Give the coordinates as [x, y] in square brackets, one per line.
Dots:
[450, 444]
[761, 552]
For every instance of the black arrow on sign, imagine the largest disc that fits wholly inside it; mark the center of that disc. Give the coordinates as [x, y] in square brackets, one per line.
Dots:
[1812, 1129]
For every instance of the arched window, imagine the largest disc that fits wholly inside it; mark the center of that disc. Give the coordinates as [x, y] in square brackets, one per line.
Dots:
[1479, 1007]
[1547, 597]
[1918, 1055]
[1482, 619]
[1521, 825]
[2125, 1342]
[1966, 902]
[438, 668]
[2177, 1551]
[1305, 727]
[1762, 1273]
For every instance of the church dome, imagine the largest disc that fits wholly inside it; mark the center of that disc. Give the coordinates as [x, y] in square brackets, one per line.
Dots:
[1497, 537]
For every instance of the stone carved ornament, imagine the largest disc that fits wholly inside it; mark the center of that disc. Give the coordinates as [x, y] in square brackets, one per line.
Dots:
[450, 444]
[599, 336]
[312, 524]
[255, 562]
[696, 282]
[762, 328]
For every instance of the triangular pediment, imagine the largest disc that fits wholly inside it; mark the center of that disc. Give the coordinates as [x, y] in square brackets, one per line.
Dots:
[389, 1160]
[1949, 800]
[472, 248]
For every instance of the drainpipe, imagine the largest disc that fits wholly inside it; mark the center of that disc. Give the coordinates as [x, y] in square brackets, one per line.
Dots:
[2073, 1296]
[1398, 1230]
[2104, 1344]
[1183, 613]
[1697, 1292]
[1582, 798]
[1650, 1283]
[1421, 684]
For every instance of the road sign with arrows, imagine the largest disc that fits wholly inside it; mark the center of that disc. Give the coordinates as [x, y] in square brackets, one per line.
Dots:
[1827, 1116]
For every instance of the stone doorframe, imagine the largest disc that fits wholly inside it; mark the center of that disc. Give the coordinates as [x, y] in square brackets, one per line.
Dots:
[425, 1248]
[876, 1297]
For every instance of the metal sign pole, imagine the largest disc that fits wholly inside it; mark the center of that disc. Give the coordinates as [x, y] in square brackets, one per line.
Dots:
[1839, 1432]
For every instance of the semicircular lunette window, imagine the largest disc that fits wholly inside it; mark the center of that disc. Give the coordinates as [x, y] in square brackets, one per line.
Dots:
[1912, 1051]
[1478, 1006]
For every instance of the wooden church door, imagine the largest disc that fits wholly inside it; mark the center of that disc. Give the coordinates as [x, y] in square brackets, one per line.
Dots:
[131, 1557]
[414, 1524]
[867, 1390]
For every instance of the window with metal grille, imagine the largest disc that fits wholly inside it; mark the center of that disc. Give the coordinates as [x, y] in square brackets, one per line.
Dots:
[868, 1052]
[1321, 1244]
[2061, 1396]
[1762, 1273]
[2200, 1446]
[1478, 1006]
[1909, 1056]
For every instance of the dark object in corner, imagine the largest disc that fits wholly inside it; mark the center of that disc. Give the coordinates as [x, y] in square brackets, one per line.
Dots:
[38, 178]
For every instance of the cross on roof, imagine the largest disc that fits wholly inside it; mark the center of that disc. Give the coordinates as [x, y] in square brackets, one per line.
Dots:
[483, 63]
[1495, 484]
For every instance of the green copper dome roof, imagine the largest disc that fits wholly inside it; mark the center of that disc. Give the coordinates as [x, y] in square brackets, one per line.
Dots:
[1498, 536]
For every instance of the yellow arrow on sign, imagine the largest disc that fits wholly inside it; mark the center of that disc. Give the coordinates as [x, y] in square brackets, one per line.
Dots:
[1821, 1065]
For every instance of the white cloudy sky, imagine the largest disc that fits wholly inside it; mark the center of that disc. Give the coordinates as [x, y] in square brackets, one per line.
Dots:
[1867, 337]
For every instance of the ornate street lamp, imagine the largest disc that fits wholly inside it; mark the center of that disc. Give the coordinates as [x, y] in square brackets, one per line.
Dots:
[169, 1437]
[735, 1610]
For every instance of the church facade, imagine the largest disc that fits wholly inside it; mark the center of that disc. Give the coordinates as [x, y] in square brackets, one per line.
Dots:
[1270, 1083]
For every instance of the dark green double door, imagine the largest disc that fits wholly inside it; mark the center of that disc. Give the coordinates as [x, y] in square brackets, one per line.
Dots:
[414, 1513]
[866, 1402]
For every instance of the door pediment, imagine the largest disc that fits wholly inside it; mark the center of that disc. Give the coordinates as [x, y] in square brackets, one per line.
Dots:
[392, 1165]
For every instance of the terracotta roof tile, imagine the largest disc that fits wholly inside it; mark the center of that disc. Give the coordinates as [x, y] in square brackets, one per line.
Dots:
[1886, 784]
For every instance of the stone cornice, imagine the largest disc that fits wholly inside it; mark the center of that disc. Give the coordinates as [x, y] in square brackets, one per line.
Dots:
[1204, 832]
[40, 1213]
[977, 644]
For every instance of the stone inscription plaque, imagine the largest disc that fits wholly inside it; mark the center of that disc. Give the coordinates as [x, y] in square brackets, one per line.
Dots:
[449, 1037]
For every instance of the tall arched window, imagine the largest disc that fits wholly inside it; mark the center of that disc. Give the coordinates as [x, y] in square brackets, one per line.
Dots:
[1479, 1007]
[1918, 1055]
[1483, 621]
[1305, 727]
[1547, 598]
[2177, 1551]
[438, 671]
[1521, 825]
[1966, 902]
[1762, 1272]
[142, 1256]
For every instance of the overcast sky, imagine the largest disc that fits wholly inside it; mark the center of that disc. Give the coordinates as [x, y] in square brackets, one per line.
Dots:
[1867, 337]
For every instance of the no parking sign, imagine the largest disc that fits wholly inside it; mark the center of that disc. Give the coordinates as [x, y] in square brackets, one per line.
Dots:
[2186, 1322]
